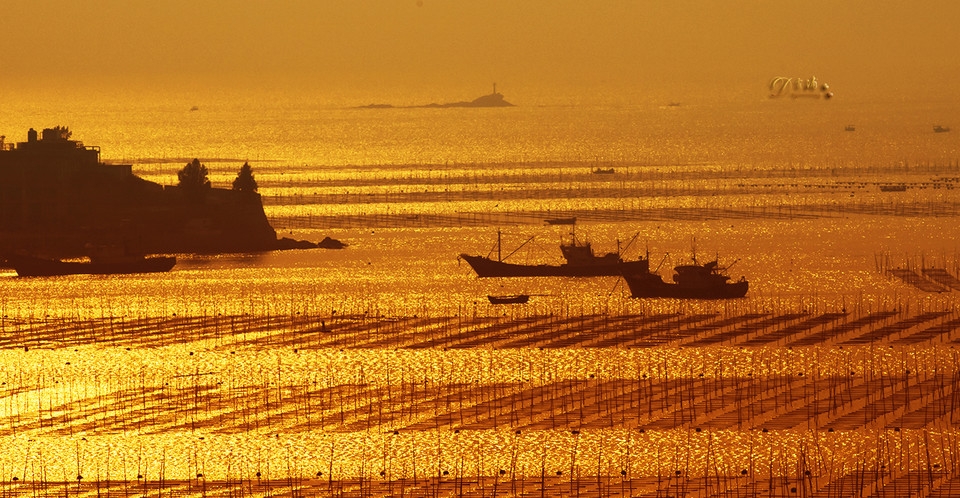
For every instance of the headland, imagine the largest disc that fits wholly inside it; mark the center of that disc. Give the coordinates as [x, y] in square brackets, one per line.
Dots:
[494, 99]
[58, 198]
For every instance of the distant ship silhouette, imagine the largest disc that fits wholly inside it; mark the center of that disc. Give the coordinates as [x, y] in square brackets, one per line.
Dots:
[492, 100]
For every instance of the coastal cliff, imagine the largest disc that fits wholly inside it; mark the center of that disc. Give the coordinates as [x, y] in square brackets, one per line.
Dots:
[57, 198]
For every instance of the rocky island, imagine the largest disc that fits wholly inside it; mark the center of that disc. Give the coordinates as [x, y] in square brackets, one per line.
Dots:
[492, 100]
[57, 198]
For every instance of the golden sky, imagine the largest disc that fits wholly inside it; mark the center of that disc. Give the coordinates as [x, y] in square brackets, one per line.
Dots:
[862, 48]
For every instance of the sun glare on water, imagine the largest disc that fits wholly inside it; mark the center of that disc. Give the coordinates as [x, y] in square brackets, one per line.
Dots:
[383, 369]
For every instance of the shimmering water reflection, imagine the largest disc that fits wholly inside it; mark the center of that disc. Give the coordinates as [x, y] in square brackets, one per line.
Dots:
[382, 369]
[227, 407]
[686, 455]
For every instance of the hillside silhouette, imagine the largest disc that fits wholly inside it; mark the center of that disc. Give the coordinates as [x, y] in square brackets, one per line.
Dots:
[57, 197]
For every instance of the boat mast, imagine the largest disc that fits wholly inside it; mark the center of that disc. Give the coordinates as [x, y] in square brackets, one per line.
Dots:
[520, 246]
[632, 240]
[662, 261]
[498, 248]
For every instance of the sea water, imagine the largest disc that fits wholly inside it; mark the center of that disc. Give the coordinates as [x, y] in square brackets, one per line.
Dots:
[792, 203]
[314, 163]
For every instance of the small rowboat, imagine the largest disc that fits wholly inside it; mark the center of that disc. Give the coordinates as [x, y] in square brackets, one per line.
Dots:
[511, 299]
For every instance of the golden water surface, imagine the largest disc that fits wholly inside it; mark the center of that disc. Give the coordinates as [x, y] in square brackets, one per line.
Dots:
[382, 367]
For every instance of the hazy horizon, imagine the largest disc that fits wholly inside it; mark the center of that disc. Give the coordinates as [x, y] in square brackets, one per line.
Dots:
[421, 51]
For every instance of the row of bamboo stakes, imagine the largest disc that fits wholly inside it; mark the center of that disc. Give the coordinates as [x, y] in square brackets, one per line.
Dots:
[514, 330]
[902, 410]
[626, 210]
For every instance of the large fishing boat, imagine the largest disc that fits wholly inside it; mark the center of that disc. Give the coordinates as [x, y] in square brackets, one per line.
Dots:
[33, 266]
[695, 281]
[581, 261]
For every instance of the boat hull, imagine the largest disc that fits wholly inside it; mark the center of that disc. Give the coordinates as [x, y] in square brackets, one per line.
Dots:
[516, 299]
[486, 267]
[27, 266]
[651, 285]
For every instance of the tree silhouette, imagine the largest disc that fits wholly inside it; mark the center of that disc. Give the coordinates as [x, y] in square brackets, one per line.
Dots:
[63, 132]
[193, 176]
[244, 181]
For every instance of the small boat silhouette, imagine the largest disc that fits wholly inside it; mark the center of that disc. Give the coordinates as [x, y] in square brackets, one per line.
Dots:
[510, 299]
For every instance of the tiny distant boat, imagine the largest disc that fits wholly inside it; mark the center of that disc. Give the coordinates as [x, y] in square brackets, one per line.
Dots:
[561, 221]
[511, 299]
[694, 281]
[581, 261]
[850, 128]
[32, 266]
[941, 129]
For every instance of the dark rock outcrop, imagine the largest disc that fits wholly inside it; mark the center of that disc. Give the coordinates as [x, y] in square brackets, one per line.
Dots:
[57, 197]
[328, 243]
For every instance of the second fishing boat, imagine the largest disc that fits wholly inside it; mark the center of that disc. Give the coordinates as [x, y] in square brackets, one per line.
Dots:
[695, 281]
